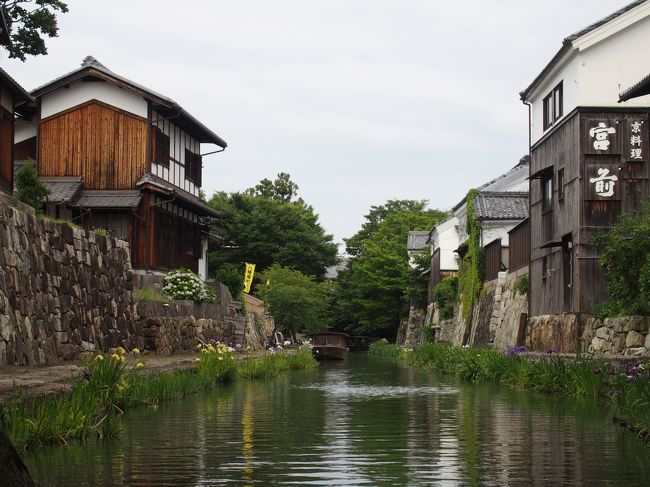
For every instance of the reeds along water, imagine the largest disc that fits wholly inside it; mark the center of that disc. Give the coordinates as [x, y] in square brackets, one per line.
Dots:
[623, 384]
[111, 384]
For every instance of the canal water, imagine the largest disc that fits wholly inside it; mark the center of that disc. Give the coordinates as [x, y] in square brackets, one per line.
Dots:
[363, 421]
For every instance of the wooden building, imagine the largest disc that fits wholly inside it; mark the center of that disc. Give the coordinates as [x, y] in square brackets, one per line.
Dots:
[11, 94]
[121, 157]
[589, 157]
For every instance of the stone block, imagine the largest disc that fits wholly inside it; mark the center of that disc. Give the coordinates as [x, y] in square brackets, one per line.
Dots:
[634, 339]
[68, 351]
[647, 341]
[639, 323]
[602, 332]
[621, 325]
[636, 351]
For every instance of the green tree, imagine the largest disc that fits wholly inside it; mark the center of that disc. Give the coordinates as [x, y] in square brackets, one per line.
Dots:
[376, 215]
[270, 231]
[29, 189]
[29, 21]
[373, 294]
[283, 189]
[625, 259]
[297, 302]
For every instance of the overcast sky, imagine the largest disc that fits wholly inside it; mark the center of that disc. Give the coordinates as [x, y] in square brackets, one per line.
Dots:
[360, 101]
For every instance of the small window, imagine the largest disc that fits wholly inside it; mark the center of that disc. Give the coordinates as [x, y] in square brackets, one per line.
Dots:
[560, 184]
[193, 163]
[552, 106]
[547, 193]
[160, 147]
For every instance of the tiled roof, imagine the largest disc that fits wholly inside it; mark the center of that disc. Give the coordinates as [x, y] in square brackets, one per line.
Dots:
[501, 206]
[109, 199]
[19, 91]
[62, 189]
[640, 88]
[417, 240]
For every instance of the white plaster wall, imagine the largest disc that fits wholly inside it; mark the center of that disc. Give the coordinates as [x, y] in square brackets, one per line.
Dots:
[81, 92]
[569, 74]
[615, 64]
[178, 142]
[491, 231]
[203, 261]
[597, 72]
[24, 130]
[448, 241]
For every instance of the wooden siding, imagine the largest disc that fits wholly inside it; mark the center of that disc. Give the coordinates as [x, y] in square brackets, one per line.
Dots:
[519, 250]
[6, 150]
[493, 264]
[564, 271]
[104, 145]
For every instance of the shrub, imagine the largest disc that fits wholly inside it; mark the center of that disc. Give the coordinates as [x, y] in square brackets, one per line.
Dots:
[185, 284]
[29, 189]
[521, 285]
[231, 276]
[625, 259]
[445, 295]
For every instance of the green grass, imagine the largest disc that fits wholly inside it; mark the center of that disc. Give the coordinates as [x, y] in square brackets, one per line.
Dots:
[111, 384]
[623, 385]
[270, 366]
[148, 294]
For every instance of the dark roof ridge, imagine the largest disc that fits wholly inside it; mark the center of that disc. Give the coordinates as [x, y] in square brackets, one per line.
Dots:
[507, 194]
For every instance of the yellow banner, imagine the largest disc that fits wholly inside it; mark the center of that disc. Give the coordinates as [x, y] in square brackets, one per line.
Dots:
[248, 277]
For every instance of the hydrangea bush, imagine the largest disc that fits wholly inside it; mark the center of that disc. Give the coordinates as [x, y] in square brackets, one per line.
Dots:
[185, 284]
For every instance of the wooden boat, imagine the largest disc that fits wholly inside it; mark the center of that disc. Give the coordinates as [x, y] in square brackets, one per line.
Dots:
[329, 345]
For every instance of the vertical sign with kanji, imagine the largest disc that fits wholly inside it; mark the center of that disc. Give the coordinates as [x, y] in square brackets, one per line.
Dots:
[248, 277]
[636, 140]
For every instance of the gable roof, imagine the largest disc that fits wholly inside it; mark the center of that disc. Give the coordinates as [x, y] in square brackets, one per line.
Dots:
[567, 45]
[92, 68]
[19, 92]
[501, 206]
[638, 89]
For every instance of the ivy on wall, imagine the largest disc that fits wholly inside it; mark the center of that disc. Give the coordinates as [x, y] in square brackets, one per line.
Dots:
[471, 267]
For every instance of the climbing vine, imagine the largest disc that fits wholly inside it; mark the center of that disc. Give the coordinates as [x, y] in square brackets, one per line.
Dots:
[471, 267]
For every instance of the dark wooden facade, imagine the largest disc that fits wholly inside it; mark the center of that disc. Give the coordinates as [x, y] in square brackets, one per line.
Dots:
[584, 173]
[519, 246]
[493, 261]
[10, 95]
[105, 145]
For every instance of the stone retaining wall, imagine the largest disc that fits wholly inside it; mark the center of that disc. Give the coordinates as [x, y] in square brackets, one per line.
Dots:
[64, 291]
[626, 335]
[496, 318]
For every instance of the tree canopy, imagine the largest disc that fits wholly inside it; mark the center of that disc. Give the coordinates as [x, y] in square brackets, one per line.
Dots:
[282, 189]
[266, 230]
[297, 302]
[373, 293]
[29, 22]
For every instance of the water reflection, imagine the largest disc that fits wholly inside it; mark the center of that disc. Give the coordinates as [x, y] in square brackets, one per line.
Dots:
[357, 423]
